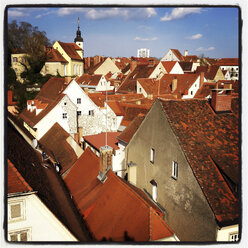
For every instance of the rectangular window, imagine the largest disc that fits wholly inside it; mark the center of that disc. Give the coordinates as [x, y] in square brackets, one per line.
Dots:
[174, 170]
[191, 92]
[91, 112]
[16, 211]
[14, 59]
[21, 235]
[78, 100]
[234, 237]
[152, 155]
[64, 115]
[79, 112]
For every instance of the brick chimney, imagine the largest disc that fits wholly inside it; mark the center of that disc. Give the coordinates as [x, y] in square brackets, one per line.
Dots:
[67, 79]
[186, 53]
[174, 84]
[201, 79]
[221, 102]
[105, 158]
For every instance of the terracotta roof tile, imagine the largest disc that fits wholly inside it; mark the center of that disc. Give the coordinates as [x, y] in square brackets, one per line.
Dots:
[178, 54]
[49, 96]
[131, 129]
[112, 209]
[190, 58]
[86, 79]
[71, 50]
[211, 144]
[16, 183]
[98, 140]
[55, 141]
[116, 107]
[228, 62]
[54, 56]
[168, 65]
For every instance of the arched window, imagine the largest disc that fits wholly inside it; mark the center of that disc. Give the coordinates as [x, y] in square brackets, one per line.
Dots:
[77, 70]
[80, 70]
[74, 69]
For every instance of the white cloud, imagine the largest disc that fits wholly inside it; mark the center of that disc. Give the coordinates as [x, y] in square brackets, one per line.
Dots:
[17, 13]
[178, 13]
[202, 49]
[195, 37]
[146, 39]
[105, 13]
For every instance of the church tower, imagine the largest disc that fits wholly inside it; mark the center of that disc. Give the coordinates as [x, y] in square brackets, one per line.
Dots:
[79, 40]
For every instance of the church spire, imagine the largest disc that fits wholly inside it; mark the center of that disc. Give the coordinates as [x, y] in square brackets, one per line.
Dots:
[78, 35]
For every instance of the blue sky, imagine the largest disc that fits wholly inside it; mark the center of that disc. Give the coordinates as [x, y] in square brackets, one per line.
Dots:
[121, 31]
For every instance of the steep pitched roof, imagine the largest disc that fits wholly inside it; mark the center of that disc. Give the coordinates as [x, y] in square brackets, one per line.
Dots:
[178, 54]
[228, 62]
[113, 210]
[55, 142]
[190, 58]
[98, 140]
[205, 90]
[71, 50]
[130, 130]
[184, 82]
[168, 65]
[116, 107]
[132, 110]
[43, 178]
[186, 66]
[54, 55]
[87, 79]
[16, 183]
[210, 143]
[50, 95]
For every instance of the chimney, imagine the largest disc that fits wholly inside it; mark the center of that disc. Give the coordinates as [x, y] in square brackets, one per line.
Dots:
[186, 53]
[221, 102]
[201, 79]
[105, 162]
[67, 79]
[133, 65]
[174, 84]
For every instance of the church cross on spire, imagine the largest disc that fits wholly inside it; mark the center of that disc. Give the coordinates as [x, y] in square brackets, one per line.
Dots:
[78, 35]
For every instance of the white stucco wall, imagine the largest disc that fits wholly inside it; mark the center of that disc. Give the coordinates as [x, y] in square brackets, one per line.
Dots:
[193, 89]
[40, 221]
[140, 89]
[55, 115]
[177, 69]
[223, 234]
[169, 56]
[158, 72]
[104, 85]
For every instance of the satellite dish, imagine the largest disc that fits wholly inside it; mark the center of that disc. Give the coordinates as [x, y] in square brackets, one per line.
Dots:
[35, 143]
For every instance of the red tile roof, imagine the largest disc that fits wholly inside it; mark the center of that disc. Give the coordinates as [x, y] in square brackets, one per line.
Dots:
[177, 54]
[190, 58]
[54, 55]
[50, 95]
[228, 62]
[98, 140]
[16, 183]
[210, 71]
[113, 210]
[205, 90]
[87, 79]
[132, 110]
[71, 50]
[116, 107]
[186, 66]
[211, 145]
[55, 142]
[168, 65]
[131, 129]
